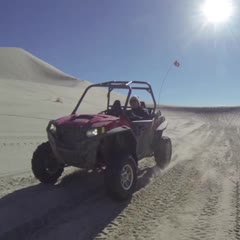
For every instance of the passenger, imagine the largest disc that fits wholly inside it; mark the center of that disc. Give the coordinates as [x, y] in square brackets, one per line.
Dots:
[138, 110]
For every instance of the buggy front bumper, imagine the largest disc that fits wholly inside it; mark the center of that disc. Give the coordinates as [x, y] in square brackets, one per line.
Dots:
[80, 154]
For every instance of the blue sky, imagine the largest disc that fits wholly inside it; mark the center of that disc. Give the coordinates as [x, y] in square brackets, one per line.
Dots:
[100, 40]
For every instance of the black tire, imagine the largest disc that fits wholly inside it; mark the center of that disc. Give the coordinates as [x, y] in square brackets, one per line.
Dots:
[117, 184]
[42, 160]
[163, 151]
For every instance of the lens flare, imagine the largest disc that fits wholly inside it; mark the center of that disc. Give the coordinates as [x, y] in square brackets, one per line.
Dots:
[217, 11]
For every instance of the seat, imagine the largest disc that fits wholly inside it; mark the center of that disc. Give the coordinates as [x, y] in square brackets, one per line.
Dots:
[116, 109]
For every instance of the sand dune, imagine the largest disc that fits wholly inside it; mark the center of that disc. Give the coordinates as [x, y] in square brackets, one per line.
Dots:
[18, 64]
[29, 88]
[196, 197]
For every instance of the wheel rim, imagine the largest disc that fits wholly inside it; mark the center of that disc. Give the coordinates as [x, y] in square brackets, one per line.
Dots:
[126, 177]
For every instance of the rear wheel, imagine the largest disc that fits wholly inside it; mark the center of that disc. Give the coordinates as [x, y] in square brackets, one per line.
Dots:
[44, 165]
[163, 151]
[121, 177]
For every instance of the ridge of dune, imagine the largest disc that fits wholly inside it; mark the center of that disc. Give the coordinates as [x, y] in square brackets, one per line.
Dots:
[210, 109]
[18, 64]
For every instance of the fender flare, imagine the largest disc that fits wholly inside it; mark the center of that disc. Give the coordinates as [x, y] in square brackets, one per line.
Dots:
[126, 133]
[118, 130]
[163, 124]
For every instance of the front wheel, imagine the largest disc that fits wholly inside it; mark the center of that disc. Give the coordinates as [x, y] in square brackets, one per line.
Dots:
[44, 165]
[120, 177]
[163, 151]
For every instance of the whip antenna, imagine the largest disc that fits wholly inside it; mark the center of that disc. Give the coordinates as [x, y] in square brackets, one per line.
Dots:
[176, 64]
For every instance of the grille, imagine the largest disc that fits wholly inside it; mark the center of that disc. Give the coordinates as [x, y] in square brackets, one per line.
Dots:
[70, 135]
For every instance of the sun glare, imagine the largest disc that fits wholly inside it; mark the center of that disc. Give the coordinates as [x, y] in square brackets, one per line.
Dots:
[217, 11]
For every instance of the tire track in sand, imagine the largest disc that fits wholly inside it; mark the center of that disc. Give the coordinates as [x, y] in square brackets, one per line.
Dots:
[234, 143]
[159, 199]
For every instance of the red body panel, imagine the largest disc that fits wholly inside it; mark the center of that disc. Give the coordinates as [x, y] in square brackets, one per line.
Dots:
[93, 121]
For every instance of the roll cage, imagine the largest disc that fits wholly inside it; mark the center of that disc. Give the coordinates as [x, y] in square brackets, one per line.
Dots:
[111, 85]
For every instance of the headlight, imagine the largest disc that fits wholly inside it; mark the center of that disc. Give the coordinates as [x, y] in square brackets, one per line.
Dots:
[95, 131]
[92, 132]
[52, 128]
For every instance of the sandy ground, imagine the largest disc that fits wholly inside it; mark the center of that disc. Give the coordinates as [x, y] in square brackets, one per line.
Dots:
[196, 197]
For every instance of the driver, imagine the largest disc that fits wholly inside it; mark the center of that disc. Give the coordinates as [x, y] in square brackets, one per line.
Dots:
[139, 112]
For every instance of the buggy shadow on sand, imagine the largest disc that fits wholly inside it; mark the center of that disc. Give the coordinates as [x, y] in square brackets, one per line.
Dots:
[79, 192]
[109, 140]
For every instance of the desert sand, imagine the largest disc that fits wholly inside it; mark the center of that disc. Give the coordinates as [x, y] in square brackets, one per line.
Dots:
[196, 197]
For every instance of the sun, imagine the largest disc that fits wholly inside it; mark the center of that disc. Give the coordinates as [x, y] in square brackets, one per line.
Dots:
[217, 11]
